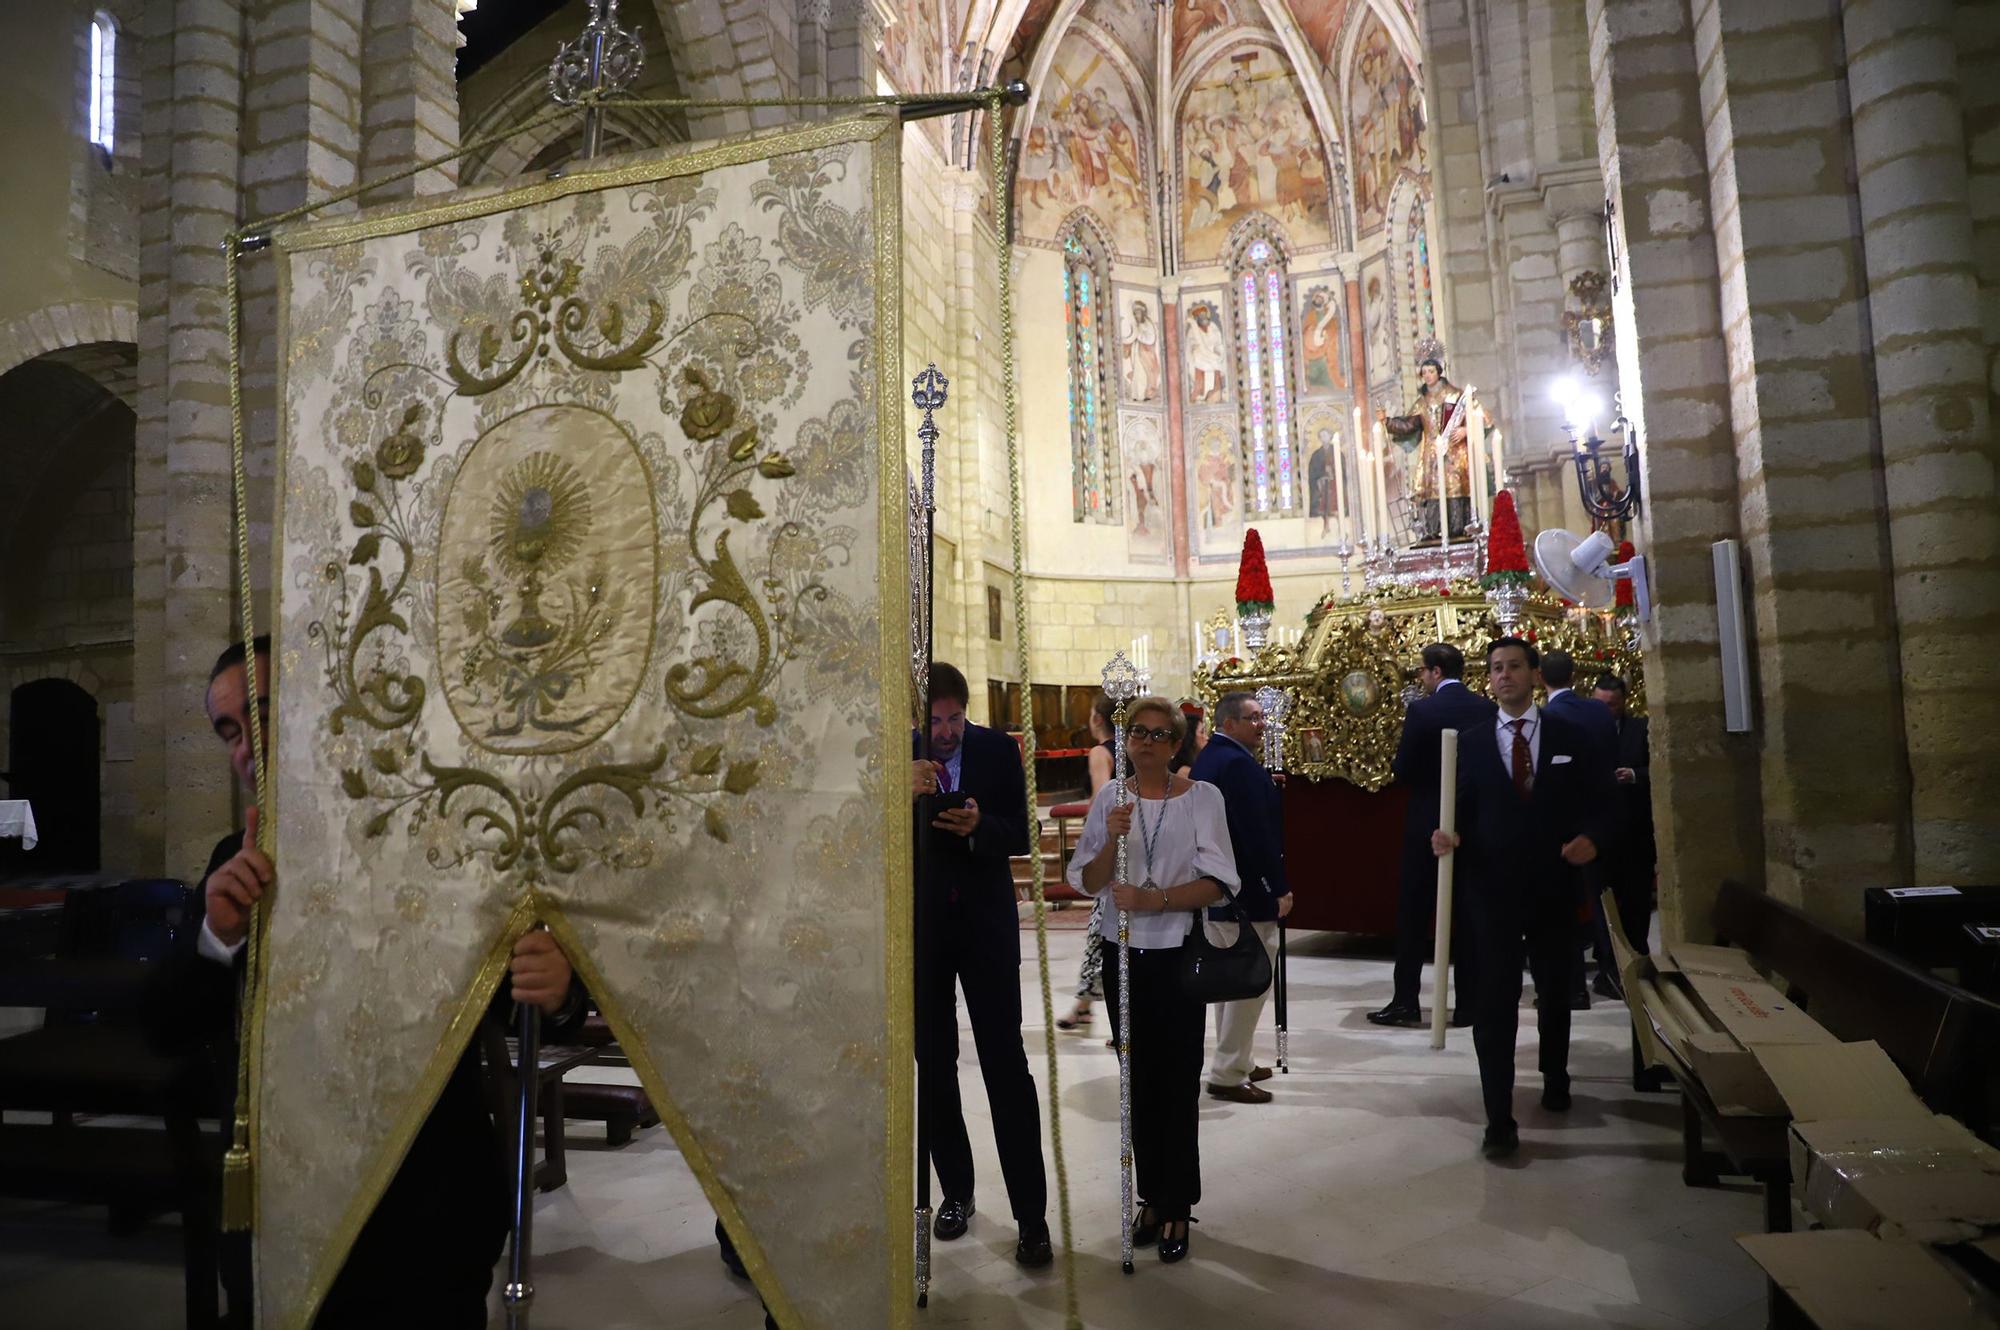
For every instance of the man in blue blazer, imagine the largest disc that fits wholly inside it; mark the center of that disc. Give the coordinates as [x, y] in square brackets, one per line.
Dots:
[1533, 804]
[1233, 762]
[1448, 705]
[1595, 718]
[971, 810]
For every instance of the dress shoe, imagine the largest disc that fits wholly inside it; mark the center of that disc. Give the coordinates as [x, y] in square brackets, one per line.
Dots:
[1607, 987]
[1176, 1248]
[1555, 1096]
[1145, 1227]
[1240, 1094]
[1260, 1073]
[1034, 1250]
[1461, 1020]
[953, 1218]
[1580, 1000]
[1403, 1014]
[1500, 1142]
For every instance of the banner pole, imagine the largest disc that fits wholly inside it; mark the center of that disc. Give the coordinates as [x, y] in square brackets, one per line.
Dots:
[1447, 823]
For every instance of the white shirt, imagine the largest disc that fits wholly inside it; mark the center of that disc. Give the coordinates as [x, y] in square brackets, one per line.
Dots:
[1531, 725]
[1190, 835]
[214, 948]
[1447, 683]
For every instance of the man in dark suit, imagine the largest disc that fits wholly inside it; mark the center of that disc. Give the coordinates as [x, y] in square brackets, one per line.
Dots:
[1532, 805]
[1594, 718]
[426, 1254]
[1233, 762]
[1449, 705]
[972, 813]
[1629, 865]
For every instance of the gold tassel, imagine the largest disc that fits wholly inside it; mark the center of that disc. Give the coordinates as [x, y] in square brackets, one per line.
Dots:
[237, 1193]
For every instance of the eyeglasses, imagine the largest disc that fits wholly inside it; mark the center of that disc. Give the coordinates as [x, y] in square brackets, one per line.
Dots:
[1164, 734]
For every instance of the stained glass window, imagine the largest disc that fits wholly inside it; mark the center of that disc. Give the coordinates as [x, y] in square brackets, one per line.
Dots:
[1263, 303]
[1417, 252]
[1093, 472]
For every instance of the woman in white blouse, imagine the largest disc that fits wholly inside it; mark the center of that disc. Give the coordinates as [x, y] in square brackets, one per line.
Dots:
[1179, 853]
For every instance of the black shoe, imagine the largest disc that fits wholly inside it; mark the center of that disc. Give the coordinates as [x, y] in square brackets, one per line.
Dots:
[953, 1218]
[728, 1250]
[1555, 1096]
[1580, 1000]
[1145, 1227]
[1500, 1142]
[1461, 1020]
[1405, 1014]
[1034, 1250]
[1607, 987]
[1176, 1249]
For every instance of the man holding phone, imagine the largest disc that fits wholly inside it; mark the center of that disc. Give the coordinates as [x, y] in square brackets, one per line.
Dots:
[971, 817]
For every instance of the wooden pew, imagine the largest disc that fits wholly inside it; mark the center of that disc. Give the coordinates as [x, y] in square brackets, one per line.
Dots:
[1939, 1036]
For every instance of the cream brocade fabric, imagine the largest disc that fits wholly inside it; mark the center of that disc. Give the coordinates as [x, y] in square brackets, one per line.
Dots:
[589, 517]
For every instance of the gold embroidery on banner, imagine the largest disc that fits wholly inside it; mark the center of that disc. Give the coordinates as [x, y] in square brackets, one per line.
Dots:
[544, 831]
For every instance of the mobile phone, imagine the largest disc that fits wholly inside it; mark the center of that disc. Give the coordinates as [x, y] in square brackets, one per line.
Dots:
[947, 800]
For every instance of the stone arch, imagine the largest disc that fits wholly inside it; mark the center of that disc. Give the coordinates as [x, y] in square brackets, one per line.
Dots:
[723, 50]
[96, 337]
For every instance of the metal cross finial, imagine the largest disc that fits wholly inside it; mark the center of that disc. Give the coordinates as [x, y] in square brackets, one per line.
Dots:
[1121, 679]
[603, 58]
[928, 391]
[1273, 703]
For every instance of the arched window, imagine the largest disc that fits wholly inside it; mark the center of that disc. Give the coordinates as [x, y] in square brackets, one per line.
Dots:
[1093, 469]
[1265, 358]
[103, 72]
[1417, 255]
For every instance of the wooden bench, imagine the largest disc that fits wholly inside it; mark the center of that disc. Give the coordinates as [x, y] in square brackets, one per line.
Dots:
[1941, 1037]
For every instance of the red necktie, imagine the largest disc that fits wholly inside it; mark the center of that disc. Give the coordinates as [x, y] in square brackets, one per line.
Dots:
[944, 779]
[1524, 761]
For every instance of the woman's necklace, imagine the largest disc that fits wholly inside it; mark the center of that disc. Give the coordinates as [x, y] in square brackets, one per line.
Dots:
[1150, 835]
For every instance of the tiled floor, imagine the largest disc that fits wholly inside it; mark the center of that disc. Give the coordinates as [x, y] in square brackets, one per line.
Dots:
[1355, 1200]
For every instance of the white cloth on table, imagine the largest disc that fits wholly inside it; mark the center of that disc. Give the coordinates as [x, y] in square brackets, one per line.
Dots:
[1190, 840]
[17, 822]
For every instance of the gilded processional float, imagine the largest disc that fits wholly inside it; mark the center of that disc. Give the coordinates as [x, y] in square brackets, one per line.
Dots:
[1339, 686]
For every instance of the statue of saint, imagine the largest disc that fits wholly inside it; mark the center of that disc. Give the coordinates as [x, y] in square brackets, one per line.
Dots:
[1437, 400]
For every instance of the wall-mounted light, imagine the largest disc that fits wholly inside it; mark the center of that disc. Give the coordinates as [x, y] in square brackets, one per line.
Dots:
[1607, 496]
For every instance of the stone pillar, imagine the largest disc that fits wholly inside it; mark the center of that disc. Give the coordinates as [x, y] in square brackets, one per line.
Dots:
[253, 107]
[1468, 309]
[1939, 462]
[1977, 43]
[1835, 776]
[183, 579]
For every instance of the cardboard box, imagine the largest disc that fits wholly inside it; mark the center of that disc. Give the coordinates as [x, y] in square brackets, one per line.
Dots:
[1721, 1015]
[1929, 1180]
[1843, 1279]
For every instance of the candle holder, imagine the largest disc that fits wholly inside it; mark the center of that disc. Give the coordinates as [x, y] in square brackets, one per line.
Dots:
[1508, 599]
[1256, 629]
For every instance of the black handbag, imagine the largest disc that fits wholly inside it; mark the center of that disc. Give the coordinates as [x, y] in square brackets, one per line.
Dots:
[1210, 973]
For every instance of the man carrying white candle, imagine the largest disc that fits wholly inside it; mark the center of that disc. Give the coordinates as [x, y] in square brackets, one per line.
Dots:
[1532, 804]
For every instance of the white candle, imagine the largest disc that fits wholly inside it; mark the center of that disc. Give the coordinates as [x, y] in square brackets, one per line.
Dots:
[1382, 479]
[1364, 476]
[1444, 503]
[1499, 462]
[1339, 482]
[1447, 823]
[1476, 428]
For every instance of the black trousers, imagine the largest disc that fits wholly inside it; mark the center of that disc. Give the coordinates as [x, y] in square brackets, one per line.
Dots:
[1506, 926]
[1631, 885]
[1169, 1033]
[976, 945]
[426, 1256]
[1416, 908]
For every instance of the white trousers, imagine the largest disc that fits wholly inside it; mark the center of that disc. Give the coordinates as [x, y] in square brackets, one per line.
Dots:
[1236, 1024]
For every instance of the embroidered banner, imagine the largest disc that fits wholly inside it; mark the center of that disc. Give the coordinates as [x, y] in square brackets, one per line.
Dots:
[591, 561]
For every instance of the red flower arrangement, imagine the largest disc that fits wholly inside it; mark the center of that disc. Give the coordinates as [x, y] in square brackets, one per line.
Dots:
[1253, 579]
[1506, 556]
[1621, 595]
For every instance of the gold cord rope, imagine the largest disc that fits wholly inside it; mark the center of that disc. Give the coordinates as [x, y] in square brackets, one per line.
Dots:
[238, 1191]
[997, 137]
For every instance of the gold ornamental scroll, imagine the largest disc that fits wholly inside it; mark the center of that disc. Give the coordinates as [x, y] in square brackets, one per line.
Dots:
[590, 566]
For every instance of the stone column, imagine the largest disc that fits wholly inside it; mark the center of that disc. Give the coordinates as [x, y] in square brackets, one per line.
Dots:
[183, 579]
[1939, 462]
[1835, 774]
